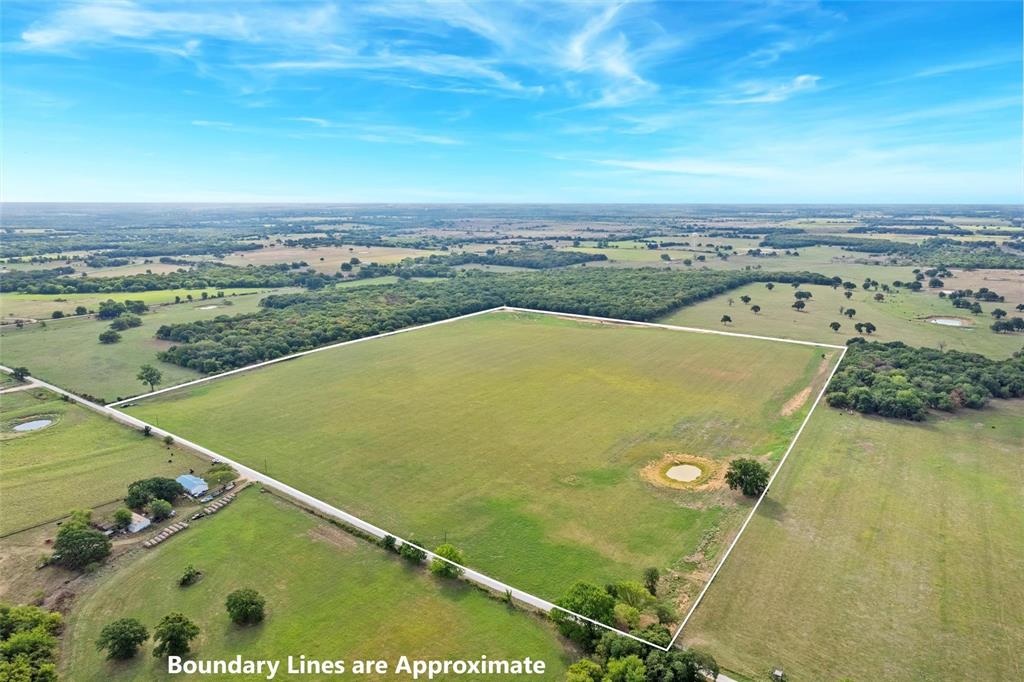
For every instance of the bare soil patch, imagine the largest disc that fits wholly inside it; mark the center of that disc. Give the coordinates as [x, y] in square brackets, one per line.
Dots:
[332, 536]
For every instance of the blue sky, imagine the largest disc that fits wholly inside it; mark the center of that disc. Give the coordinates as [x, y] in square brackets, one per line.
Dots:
[117, 100]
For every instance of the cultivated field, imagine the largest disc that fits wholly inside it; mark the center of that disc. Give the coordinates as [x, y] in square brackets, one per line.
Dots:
[328, 596]
[520, 438]
[80, 461]
[885, 551]
[899, 317]
[68, 352]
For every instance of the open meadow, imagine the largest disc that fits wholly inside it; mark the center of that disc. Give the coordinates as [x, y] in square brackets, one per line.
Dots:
[885, 551]
[900, 316]
[80, 461]
[527, 440]
[325, 259]
[344, 599]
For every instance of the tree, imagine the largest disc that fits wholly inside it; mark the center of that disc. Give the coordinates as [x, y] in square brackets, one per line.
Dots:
[769, 286]
[148, 374]
[756, 308]
[799, 305]
[246, 606]
[726, 319]
[850, 312]
[628, 669]
[584, 670]
[802, 295]
[666, 257]
[834, 326]
[998, 313]
[747, 475]
[651, 578]
[123, 518]
[443, 568]
[848, 294]
[57, 314]
[20, 373]
[160, 509]
[587, 600]
[745, 299]
[77, 545]
[109, 336]
[173, 635]
[122, 638]
[626, 617]
[81, 310]
[879, 297]
[869, 328]
[28, 645]
[141, 492]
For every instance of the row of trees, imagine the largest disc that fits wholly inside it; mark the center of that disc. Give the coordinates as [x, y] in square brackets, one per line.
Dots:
[202, 276]
[899, 381]
[291, 323]
[174, 633]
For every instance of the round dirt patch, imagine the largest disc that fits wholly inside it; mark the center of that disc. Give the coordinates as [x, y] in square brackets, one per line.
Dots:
[683, 472]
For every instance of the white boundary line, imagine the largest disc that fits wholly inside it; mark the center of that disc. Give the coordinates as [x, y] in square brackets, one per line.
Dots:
[595, 318]
[760, 499]
[367, 527]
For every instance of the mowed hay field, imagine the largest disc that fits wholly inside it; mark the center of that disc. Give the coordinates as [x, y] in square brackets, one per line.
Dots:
[518, 437]
[329, 596]
[885, 551]
[80, 461]
[325, 259]
[68, 352]
[899, 317]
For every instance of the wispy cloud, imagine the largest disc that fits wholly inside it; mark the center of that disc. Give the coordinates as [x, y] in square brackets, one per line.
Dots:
[766, 93]
[372, 132]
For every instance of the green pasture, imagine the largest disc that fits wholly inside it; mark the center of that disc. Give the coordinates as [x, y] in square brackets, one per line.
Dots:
[519, 438]
[885, 551]
[329, 596]
[900, 316]
[68, 353]
[80, 461]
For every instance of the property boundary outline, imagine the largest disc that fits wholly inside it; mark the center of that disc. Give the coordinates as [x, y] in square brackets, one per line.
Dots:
[470, 574]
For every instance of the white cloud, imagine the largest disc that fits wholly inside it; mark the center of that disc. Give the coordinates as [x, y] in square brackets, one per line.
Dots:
[754, 92]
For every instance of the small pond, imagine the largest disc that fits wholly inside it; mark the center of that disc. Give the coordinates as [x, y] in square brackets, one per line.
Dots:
[684, 473]
[950, 321]
[33, 425]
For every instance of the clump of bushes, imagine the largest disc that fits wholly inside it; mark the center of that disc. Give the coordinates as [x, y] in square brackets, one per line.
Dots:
[28, 643]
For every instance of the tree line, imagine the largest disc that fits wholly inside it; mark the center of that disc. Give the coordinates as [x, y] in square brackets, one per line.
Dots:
[943, 251]
[289, 323]
[202, 276]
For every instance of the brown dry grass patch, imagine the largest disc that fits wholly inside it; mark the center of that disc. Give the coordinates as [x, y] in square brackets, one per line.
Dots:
[712, 478]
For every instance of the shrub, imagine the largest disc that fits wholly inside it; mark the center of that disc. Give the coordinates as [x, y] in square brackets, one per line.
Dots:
[123, 518]
[413, 554]
[109, 336]
[190, 576]
[443, 568]
[626, 617]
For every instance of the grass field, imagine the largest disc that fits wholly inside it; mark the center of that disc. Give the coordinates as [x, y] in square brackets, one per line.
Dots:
[520, 438]
[80, 461]
[827, 260]
[41, 306]
[898, 318]
[344, 599]
[326, 259]
[68, 353]
[885, 551]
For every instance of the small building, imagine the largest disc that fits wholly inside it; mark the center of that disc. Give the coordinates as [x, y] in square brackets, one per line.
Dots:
[139, 522]
[193, 485]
